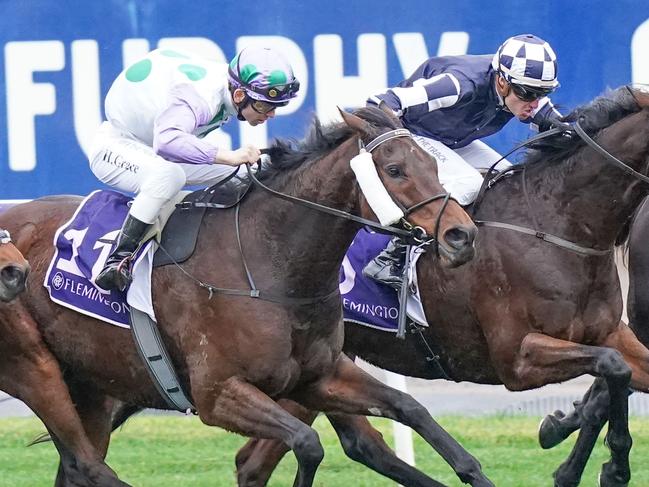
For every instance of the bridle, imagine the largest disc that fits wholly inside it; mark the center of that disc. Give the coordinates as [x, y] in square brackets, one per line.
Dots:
[377, 141]
[405, 228]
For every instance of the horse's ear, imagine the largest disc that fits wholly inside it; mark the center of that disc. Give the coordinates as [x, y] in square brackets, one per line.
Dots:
[640, 93]
[356, 123]
[25, 237]
[388, 111]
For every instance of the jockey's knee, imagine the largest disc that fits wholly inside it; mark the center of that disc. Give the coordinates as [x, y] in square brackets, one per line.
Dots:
[158, 189]
[165, 182]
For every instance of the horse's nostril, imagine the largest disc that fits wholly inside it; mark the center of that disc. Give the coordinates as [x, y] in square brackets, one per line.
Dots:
[13, 276]
[459, 238]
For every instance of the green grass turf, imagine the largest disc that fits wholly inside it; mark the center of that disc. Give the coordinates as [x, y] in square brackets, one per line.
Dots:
[180, 451]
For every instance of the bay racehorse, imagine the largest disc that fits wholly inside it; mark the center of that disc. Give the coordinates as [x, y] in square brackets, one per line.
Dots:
[236, 356]
[591, 413]
[530, 311]
[13, 268]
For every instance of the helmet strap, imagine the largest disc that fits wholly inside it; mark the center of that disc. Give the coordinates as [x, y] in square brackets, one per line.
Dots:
[507, 89]
[241, 105]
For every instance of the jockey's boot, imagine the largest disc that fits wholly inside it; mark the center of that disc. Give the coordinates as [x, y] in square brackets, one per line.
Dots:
[116, 274]
[387, 267]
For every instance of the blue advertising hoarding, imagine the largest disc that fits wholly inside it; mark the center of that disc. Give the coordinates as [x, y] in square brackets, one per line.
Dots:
[60, 58]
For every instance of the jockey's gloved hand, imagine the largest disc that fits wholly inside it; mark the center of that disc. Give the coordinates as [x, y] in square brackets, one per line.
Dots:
[246, 154]
[549, 123]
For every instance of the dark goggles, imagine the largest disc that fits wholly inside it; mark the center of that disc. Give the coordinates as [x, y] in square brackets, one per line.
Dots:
[527, 93]
[264, 107]
[276, 92]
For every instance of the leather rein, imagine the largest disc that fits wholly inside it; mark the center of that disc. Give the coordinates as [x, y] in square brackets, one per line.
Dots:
[547, 237]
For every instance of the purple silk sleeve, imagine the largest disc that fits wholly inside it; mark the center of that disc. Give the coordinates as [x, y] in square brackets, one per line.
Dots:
[173, 139]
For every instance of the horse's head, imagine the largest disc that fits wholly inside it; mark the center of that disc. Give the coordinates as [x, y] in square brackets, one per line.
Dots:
[13, 269]
[409, 175]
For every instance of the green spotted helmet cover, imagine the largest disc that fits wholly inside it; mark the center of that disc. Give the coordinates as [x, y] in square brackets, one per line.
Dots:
[264, 74]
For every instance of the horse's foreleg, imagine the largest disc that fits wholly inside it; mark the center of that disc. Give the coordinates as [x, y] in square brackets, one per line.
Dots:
[543, 359]
[29, 372]
[364, 444]
[95, 411]
[593, 415]
[636, 355]
[350, 390]
[242, 408]
[558, 426]
[258, 458]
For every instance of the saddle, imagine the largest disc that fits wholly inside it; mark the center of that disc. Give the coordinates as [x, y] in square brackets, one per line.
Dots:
[180, 233]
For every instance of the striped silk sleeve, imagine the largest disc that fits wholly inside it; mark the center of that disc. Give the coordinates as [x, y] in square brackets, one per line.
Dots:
[425, 95]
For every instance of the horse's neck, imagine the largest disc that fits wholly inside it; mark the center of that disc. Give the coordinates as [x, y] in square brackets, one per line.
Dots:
[312, 244]
[589, 199]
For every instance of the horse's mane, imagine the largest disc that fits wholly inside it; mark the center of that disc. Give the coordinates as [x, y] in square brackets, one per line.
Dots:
[289, 154]
[600, 113]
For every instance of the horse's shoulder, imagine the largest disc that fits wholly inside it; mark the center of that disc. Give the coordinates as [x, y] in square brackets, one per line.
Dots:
[53, 205]
[40, 213]
[60, 198]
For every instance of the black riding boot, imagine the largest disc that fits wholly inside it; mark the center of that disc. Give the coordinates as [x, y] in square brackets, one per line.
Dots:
[387, 267]
[116, 274]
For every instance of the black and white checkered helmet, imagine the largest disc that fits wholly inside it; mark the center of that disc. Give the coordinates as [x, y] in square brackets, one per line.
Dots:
[527, 60]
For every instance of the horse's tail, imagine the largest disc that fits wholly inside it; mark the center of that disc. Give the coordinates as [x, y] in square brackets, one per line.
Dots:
[42, 438]
[122, 413]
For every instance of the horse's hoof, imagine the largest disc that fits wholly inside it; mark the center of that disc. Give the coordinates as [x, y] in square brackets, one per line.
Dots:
[608, 478]
[484, 482]
[558, 483]
[550, 430]
[102, 475]
[564, 477]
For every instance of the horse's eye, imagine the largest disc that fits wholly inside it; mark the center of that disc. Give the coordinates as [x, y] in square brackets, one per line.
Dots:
[394, 171]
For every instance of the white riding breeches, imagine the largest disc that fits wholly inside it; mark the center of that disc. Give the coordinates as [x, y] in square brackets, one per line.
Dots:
[123, 162]
[458, 170]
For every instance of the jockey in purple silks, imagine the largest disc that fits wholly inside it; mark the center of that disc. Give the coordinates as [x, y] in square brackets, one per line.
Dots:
[159, 111]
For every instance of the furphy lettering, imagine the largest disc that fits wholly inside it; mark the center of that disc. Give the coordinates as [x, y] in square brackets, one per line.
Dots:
[29, 66]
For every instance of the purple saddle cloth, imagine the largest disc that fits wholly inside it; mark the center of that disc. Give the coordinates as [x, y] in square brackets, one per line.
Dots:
[82, 246]
[365, 301]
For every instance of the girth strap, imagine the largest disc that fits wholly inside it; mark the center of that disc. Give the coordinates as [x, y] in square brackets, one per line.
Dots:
[156, 359]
